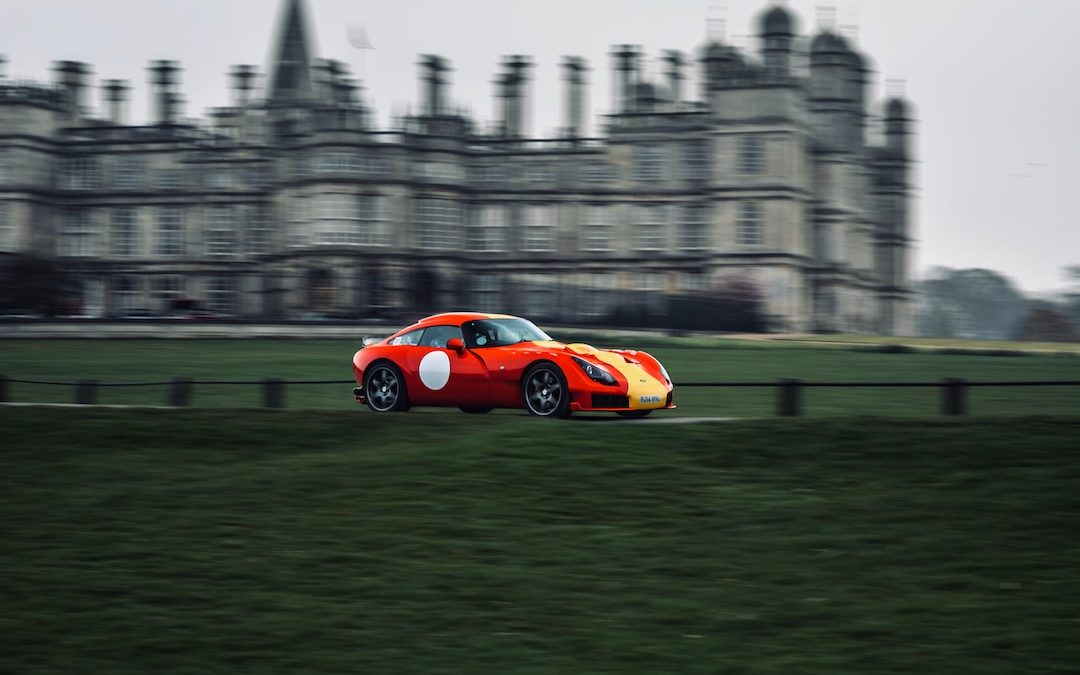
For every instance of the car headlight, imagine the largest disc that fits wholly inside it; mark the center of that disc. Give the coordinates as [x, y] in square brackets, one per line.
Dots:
[663, 371]
[595, 372]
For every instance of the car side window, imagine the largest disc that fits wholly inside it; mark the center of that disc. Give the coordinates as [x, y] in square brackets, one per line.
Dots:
[438, 336]
[410, 338]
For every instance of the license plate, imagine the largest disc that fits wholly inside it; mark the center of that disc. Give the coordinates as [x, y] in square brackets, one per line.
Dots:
[649, 399]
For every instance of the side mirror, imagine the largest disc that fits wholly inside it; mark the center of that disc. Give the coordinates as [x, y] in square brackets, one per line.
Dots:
[456, 344]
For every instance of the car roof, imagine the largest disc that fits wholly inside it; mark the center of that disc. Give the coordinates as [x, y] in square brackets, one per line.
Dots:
[453, 319]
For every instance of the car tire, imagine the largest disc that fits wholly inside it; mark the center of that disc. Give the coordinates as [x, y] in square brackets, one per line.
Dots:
[475, 409]
[544, 391]
[633, 414]
[384, 388]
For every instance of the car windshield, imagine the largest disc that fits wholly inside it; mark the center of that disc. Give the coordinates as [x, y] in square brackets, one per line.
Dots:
[500, 332]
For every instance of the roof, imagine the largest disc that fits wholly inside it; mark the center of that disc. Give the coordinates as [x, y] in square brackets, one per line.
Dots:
[777, 21]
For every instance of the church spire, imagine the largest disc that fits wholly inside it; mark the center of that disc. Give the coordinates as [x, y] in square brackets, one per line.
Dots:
[290, 71]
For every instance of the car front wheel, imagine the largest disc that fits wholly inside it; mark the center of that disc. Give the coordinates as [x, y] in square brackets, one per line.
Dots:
[384, 388]
[544, 391]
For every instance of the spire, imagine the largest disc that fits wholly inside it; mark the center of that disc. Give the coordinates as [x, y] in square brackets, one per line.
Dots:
[290, 70]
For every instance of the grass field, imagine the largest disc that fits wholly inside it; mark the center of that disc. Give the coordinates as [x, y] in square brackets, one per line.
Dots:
[202, 541]
[687, 359]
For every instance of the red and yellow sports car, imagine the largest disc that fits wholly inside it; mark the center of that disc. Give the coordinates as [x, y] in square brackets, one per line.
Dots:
[482, 361]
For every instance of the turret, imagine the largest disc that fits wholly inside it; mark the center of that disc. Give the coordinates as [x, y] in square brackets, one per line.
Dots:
[777, 30]
[898, 127]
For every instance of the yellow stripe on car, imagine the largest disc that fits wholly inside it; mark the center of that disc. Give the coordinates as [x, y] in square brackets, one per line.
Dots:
[644, 391]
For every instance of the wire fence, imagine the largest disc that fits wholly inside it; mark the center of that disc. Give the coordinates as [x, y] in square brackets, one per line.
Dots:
[789, 399]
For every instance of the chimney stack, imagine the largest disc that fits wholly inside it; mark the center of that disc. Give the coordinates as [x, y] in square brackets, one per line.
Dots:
[512, 83]
[243, 83]
[675, 63]
[626, 76]
[3, 62]
[575, 94]
[72, 77]
[166, 100]
[116, 101]
[432, 67]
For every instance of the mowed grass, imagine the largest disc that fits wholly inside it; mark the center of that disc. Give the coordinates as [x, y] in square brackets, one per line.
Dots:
[204, 541]
[688, 360]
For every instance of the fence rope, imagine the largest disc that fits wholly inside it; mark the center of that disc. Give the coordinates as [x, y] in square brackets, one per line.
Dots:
[968, 383]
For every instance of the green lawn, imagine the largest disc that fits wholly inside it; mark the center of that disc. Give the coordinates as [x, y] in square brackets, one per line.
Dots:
[688, 360]
[205, 542]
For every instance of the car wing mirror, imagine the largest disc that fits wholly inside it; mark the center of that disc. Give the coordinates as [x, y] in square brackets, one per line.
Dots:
[456, 344]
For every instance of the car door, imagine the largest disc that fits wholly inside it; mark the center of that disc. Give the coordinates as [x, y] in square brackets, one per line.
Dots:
[442, 376]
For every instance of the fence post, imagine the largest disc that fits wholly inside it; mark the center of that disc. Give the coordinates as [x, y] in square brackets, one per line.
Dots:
[789, 399]
[953, 396]
[180, 392]
[3, 389]
[86, 392]
[273, 393]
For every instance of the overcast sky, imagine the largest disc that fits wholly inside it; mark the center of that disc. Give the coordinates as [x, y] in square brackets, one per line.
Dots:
[995, 84]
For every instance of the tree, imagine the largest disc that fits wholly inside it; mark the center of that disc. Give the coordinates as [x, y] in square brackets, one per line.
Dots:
[1045, 324]
[29, 283]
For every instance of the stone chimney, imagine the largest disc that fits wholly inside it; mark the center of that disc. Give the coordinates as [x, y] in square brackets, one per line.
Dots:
[432, 68]
[575, 69]
[675, 62]
[626, 76]
[116, 95]
[166, 100]
[512, 84]
[242, 78]
[72, 77]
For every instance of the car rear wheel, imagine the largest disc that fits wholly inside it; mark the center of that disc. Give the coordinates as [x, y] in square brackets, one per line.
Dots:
[633, 414]
[384, 388]
[544, 391]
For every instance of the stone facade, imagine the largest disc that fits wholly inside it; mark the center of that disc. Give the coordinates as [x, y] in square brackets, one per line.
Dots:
[290, 203]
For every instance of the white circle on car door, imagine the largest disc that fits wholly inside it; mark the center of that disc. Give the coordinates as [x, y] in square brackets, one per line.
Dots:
[435, 370]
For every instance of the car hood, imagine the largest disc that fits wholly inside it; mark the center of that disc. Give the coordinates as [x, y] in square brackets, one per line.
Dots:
[639, 380]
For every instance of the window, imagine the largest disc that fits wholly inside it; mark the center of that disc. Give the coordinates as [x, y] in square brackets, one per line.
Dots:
[439, 171]
[438, 336]
[372, 221]
[538, 296]
[598, 172]
[651, 286]
[695, 160]
[218, 178]
[7, 227]
[751, 155]
[692, 281]
[130, 170]
[170, 231]
[220, 237]
[692, 228]
[337, 220]
[487, 293]
[596, 230]
[258, 230]
[298, 221]
[7, 173]
[171, 179]
[78, 235]
[125, 295]
[260, 177]
[168, 289]
[748, 224]
[650, 228]
[221, 295]
[438, 224]
[538, 228]
[487, 230]
[490, 174]
[539, 173]
[80, 173]
[410, 338]
[598, 294]
[648, 163]
[124, 233]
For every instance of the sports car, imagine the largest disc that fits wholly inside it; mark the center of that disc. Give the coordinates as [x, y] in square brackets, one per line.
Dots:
[478, 362]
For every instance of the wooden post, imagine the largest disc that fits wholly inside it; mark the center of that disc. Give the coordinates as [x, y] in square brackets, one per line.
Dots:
[273, 393]
[180, 392]
[789, 397]
[4, 389]
[953, 396]
[86, 392]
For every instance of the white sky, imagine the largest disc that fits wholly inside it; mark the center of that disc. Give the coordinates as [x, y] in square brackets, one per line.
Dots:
[995, 84]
